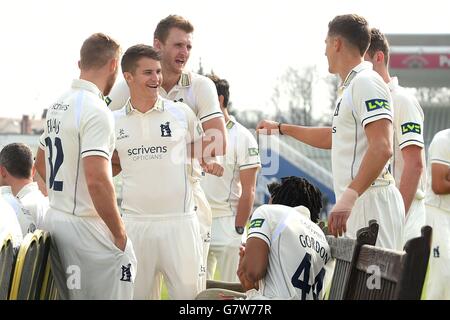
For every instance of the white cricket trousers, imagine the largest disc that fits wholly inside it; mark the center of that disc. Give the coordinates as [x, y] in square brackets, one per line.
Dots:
[224, 249]
[384, 204]
[204, 214]
[167, 245]
[437, 282]
[415, 220]
[86, 264]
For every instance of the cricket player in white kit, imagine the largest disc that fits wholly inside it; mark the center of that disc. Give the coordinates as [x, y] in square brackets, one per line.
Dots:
[286, 252]
[173, 39]
[360, 138]
[437, 203]
[408, 161]
[231, 196]
[89, 244]
[17, 171]
[9, 225]
[154, 140]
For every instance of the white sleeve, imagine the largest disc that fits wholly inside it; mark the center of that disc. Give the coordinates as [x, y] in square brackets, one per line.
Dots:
[248, 151]
[371, 99]
[408, 121]
[207, 100]
[97, 133]
[439, 151]
[259, 225]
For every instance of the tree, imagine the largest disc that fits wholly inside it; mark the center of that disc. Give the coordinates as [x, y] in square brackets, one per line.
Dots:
[332, 83]
[292, 95]
[249, 118]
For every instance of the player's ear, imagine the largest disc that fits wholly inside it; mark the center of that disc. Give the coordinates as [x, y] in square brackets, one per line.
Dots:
[380, 57]
[128, 76]
[156, 44]
[337, 43]
[3, 171]
[113, 64]
[33, 171]
[221, 100]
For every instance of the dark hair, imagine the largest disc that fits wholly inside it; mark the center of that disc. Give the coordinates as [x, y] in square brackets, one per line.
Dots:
[173, 21]
[294, 191]
[97, 50]
[378, 42]
[17, 158]
[135, 53]
[352, 28]
[223, 88]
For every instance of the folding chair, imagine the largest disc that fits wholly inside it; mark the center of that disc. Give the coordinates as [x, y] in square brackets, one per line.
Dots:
[42, 261]
[25, 268]
[7, 260]
[47, 289]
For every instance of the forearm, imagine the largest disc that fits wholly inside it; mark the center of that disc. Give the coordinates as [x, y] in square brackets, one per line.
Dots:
[104, 200]
[444, 187]
[409, 182]
[314, 136]
[371, 166]
[246, 283]
[245, 206]
[116, 169]
[212, 144]
[40, 163]
[214, 138]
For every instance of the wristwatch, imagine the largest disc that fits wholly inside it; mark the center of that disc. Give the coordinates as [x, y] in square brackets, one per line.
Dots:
[239, 230]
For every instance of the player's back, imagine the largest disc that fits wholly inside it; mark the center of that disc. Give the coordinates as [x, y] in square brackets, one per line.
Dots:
[298, 252]
[75, 127]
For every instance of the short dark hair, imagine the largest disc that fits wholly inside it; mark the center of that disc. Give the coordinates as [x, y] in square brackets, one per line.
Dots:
[172, 21]
[294, 191]
[352, 28]
[135, 53]
[378, 42]
[223, 88]
[97, 50]
[17, 158]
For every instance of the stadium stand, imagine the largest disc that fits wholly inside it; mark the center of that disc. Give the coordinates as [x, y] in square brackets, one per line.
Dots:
[7, 260]
[283, 156]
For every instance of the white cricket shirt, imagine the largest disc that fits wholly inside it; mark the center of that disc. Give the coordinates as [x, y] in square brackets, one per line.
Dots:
[78, 125]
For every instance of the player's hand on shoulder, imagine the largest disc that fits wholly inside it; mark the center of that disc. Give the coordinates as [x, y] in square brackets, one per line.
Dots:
[267, 127]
